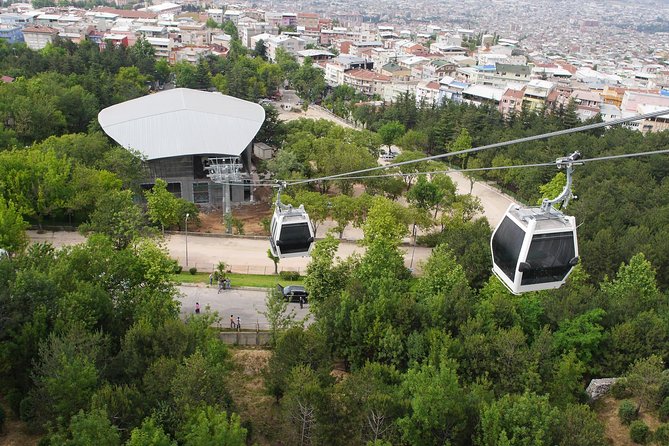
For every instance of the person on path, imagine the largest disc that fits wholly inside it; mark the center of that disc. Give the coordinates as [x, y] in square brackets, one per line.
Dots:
[211, 279]
[197, 307]
[232, 321]
[301, 302]
[239, 324]
[221, 285]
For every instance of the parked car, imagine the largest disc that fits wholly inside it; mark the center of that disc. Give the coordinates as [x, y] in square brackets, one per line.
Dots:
[293, 293]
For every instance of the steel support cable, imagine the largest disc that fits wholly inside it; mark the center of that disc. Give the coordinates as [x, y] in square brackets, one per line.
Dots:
[489, 146]
[482, 169]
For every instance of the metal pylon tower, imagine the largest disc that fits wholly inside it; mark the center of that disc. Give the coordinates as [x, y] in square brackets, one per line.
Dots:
[225, 170]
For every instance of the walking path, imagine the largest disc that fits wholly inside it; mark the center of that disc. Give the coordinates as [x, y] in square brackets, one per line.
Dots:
[243, 255]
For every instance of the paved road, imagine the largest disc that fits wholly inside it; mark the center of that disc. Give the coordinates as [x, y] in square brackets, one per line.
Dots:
[244, 255]
[247, 304]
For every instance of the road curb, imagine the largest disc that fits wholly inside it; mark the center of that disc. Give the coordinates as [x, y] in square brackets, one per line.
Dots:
[204, 285]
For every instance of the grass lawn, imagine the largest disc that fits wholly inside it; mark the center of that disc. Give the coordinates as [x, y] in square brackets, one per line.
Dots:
[255, 280]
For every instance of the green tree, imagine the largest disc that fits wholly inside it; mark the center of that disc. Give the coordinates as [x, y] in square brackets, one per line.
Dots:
[66, 375]
[513, 420]
[315, 204]
[391, 132]
[13, 236]
[87, 428]
[260, 50]
[149, 434]
[277, 316]
[578, 425]
[162, 206]
[566, 386]
[303, 396]
[437, 415]
[208, 426]
[582, 334]
[342, 211]
[117, 217]
[645, 378]
[274, 259]
[309, 82]
[129, 83]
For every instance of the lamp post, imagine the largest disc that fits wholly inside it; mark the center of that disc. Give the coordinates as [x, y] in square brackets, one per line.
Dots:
[187, 215]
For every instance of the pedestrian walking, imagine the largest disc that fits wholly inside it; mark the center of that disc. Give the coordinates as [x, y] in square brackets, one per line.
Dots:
[232, 322]
[197, 307]
[221, 285]
[211, 279]
[239, 323]
[301, 302]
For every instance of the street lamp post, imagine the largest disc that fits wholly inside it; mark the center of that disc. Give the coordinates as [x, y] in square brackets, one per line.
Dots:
[187, 215]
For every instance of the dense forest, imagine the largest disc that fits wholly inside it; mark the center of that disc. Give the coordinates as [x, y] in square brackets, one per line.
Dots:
[92, 349]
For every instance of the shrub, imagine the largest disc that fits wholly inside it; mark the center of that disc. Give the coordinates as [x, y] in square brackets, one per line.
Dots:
[661, 435]
[664, 386]
[639, 432]
[27, 409]
[193, 271]
[620, 390]
[664, 409]
[289, 275]
[176, 269]
[265, 222]
[627, 411]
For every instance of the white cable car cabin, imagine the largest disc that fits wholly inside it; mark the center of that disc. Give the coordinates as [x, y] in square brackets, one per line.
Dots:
[292, 234]
[536, 248]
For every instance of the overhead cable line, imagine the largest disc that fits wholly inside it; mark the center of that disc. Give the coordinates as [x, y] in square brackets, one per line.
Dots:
[483, 169]
[489, 146]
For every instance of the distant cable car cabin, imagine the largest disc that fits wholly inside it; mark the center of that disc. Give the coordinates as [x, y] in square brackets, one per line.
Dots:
[292, 234]
[535, 248]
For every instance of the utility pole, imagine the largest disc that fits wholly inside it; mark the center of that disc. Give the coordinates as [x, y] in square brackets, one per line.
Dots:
[187, 215]
[225, 170]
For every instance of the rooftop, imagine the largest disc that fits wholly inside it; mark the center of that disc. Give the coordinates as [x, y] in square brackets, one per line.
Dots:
[182, 122]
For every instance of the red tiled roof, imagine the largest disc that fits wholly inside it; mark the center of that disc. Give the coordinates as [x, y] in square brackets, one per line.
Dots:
[511, 93]
[7, 79]
[39, 30]
[433, 85]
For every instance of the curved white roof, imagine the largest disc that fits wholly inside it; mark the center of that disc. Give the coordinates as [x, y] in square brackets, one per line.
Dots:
[181, 122]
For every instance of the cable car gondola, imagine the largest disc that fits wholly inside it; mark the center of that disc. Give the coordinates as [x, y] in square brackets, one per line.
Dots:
[535, 248]
[292, 234]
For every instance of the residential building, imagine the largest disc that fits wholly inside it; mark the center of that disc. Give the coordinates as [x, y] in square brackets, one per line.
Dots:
[215, 14]
[37, 37]
[161, 47]
[538, 95]
[451, 89]
[396, 72]
[656, 124]
[289, 44]
[482, 94]
[314, 55]
[394, 90]
[511, 101]
[428, 93]
[11, 33]
[308, 20]
[366, 81]
[190, 54]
